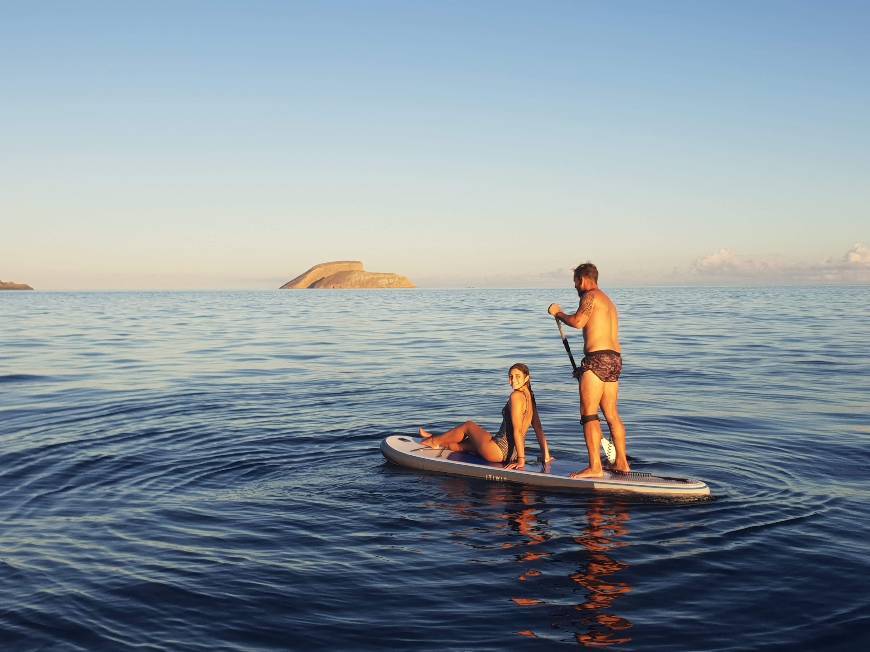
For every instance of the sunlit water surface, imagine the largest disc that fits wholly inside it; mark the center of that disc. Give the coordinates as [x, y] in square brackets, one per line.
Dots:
[200, 471]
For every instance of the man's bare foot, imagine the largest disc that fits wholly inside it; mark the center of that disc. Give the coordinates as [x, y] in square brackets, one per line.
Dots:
[424, 434]
[622, 467]
[588, 472]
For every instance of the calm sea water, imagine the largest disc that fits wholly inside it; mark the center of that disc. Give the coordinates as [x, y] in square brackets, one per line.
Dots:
[200, 471]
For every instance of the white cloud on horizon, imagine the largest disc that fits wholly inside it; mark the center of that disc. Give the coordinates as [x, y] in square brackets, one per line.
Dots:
[858, 255]
[725, 264]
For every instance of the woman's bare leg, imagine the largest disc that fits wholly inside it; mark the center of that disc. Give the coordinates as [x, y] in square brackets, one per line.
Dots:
[480, 441]
[452, 436]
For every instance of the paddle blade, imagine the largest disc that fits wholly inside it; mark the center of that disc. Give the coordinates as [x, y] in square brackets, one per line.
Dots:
[608, 449]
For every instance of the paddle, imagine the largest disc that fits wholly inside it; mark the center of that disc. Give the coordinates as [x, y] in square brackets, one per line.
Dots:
[606, 445]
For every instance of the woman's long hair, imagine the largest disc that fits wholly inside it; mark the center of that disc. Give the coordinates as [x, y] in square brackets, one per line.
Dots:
[525, 370]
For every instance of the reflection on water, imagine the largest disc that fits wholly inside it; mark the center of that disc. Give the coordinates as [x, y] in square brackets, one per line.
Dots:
[566, 582]
[606, 523]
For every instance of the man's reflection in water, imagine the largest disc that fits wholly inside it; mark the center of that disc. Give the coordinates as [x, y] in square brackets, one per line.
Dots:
[606, 523]
[542, 553]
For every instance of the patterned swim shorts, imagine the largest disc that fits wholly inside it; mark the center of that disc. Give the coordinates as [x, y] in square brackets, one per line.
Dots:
[605, 364]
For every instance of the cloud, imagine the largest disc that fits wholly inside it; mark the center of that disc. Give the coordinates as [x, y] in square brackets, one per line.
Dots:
[724, 265]
[724, 259]
[560, 274]
[726, 262]
[858, 255]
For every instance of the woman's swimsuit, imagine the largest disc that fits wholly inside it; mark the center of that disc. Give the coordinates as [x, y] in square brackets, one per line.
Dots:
[505, 438]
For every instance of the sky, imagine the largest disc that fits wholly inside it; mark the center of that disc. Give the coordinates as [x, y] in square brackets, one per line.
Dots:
[207, 145]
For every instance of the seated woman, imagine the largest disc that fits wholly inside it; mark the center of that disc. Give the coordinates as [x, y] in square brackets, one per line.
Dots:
[508, 446]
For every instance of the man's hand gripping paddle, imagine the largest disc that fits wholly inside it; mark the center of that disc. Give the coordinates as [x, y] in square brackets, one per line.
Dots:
[606, 445]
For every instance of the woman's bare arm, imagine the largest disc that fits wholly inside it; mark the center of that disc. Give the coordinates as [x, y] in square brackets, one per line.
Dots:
[542, 438]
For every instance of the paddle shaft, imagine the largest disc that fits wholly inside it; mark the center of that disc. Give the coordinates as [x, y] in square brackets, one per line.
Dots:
[567, 346]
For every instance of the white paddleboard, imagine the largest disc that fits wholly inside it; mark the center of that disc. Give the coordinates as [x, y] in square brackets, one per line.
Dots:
[409, 452]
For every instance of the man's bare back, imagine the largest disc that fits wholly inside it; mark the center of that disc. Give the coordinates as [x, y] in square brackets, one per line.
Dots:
[601, 330]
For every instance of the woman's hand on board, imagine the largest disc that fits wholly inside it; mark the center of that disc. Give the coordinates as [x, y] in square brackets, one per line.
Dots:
[519, 464]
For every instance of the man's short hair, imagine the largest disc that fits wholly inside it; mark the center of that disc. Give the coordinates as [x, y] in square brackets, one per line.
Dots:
[587, 270]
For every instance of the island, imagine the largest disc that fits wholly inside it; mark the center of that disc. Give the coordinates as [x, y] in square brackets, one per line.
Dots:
[11, 285]
[345, 275]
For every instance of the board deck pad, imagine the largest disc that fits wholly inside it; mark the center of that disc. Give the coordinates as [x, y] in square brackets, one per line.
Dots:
[409, 452]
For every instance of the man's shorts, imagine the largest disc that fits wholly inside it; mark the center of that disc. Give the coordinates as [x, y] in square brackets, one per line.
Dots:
[605, 364]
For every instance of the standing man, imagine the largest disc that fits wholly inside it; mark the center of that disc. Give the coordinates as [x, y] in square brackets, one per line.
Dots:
[599, 371]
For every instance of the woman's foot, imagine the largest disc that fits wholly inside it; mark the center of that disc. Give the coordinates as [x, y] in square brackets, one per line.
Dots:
[428, 440]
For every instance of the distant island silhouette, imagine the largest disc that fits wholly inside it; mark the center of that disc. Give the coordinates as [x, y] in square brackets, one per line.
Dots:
[345, 275]
[12, 285]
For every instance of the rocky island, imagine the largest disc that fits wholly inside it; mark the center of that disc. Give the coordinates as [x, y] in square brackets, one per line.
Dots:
[345, 275]
[11, 285]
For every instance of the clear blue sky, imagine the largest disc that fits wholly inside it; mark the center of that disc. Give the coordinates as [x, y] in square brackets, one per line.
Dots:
[234, 144]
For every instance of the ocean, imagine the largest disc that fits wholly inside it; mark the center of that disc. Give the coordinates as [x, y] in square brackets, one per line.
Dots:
[200, 471]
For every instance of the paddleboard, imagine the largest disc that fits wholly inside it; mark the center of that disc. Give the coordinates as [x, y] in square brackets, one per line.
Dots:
[409, 452]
